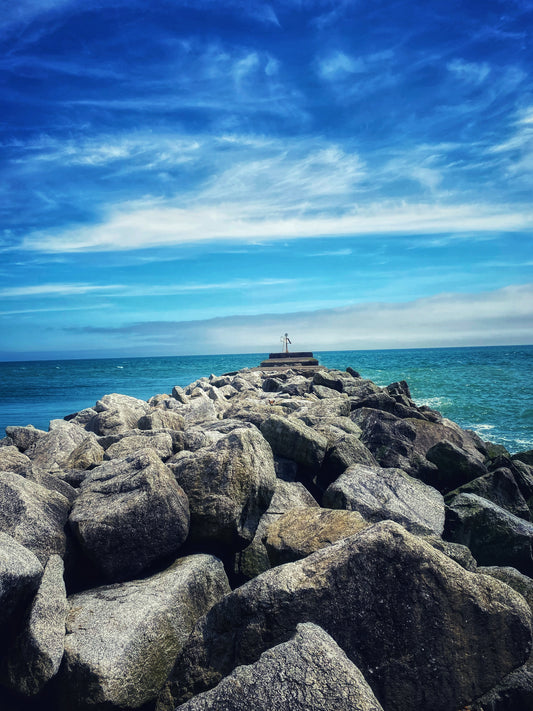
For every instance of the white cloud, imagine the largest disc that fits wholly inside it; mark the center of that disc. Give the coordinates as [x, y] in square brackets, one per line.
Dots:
[56, 289]
[504, 316]
[131, 228]
[469, 72]
[339, 64]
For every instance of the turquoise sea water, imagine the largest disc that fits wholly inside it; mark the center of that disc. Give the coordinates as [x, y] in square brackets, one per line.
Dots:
[489, 390]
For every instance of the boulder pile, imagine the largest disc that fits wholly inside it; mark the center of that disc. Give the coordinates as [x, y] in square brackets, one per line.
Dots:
[292, 538]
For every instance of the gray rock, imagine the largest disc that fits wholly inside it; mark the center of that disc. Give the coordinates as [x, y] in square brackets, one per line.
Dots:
[87, 455]
[51, 452]
[511, 576]
[24, 437]
[389, 438]
[525, 457]
[302, 531]
[380, 493]
[494, 535]
[178, 393]
[329, 379]
[455, 466]
[254, 559]
[499, 487]
[53, 482]
[158, 418]
[345, 452]
[20, 575]
[252, 410]
[33, 515]
[36, 653]
[309, 672]
[122, 639]
[456, 551]
[422, 630]
[229, 486]
[130, 514]
[118, 413]
[292, 439]
[160, 442]
[11, 460]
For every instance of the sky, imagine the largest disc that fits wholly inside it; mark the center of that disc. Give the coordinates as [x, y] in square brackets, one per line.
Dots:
[194, 177]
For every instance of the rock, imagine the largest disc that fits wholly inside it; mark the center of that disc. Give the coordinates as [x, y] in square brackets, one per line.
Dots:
[51, 452]
[345, 452]
[328, 379]
[118, 413]
[178, 393]
[199, 410]
[20, 575]
[229, 486]
[252, 410]
[494, 535]
[456, 551]
[423, 631]
[36, 653]
[455, 466]
[122, 639]
[53, 482]
[499, 487]
[525, 457]
[380, 493]
[129, 515]
[302, 531]
[11, 460]
[87, 455]
[511, 576]
[310, 671]
[292, 439]
[24, 437]
[389, 438]
[254, 559]
[162, 419]
[160, 442]
[33, 515]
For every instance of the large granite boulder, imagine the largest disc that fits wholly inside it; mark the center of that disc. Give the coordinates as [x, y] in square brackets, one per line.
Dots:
[162, 419]
[51, 452]
[500, 487]
[11, 460]
[253, 559]
[160, 442]
[345, 452]
[122, 639]
[302, 531]
[130, 514]
[35, 655]
[386, 493]
[87, 455]
[229, 486]
[292, 439]
[495, 536]
[309, 672]
[117, 413]
[20, 575]
[24, 437]
[388, 437]
[424, 632]
[33, 515]
[455, 466]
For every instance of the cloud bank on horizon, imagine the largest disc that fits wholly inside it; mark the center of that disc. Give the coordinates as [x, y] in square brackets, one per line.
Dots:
[198, 177]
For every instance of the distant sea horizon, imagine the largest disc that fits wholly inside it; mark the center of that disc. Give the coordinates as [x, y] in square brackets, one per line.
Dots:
[488, 389]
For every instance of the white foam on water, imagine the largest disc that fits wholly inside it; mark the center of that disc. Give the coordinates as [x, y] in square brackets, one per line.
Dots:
[434, 402]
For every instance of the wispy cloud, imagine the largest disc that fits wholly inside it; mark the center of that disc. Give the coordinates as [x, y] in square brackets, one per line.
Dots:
[130, 228]
[469, 72]
[56, 289]
[496, 317]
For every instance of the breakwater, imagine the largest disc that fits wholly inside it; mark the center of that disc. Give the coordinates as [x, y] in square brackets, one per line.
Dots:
[196, 549]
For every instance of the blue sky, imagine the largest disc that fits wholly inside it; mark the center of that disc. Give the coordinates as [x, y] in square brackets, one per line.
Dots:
[182, 177]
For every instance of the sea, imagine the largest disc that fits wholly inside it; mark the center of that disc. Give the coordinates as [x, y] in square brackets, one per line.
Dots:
[485, 389]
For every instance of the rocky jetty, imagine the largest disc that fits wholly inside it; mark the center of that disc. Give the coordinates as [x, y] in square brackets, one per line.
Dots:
[292, 538]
